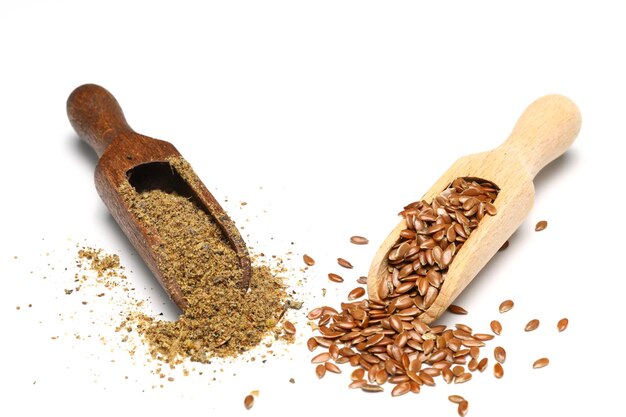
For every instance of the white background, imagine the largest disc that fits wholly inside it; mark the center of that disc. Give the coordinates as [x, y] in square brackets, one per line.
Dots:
[325, 117]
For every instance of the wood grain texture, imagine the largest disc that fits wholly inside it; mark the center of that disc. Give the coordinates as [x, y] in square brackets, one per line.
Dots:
[98, 119]
[545, 130]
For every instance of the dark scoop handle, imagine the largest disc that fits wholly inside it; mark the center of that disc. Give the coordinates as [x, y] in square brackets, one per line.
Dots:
[96, 116]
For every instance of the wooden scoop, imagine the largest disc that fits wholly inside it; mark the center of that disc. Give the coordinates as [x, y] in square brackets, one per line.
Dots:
[128, 156]
[544, 131]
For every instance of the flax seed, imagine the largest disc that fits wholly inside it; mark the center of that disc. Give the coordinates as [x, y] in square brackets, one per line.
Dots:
[462, 408]
[322, 357]
[458, 370]
[331, 367]
[498, 371]
[248, 402]
[454, 309]
[311, 344]
[562, 324]
[541, 225]
[506, 306]
[540, 363]
[357, 374]
[500, 354]
[320, 370]
[414, 387]
[308, 260]
[463, 378]
[496, 327]
[335, 277]
[482, 365]
[381, 377]
[372, 388]
[357, 292]
[333, 349]
[315, 314]
[463, 327]
[532, 325]
[342, 262]
[401, 389]
[359, 240]
[457, 399]
[360, 383]
[288, 327]
[426, 379]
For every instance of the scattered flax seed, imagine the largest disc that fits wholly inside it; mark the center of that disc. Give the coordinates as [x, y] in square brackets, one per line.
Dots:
[248, 402]
[500, 354]
[532, 325]
[315, 314]
[506, 306]
[292, 381]
[496, 327]
[454, 309]
[372, 388]
[359, 240]
[357, 374]
[464, 377]
[335, 277]
[401, 389]
[540, 363]
[498, 371]
[320, 370]
[311, 344]
[359, 383]
[321, 358]
[462, 409]
[504, 246]
[288, 327]
[362, 280]
[358, 292]
[541, 226]
[457, 399]
[385, 339]
[331, 367]
[562, 324]
[308, 260]
[342, 262]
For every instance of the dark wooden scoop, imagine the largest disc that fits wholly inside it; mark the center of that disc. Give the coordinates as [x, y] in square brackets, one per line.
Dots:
[126, 155]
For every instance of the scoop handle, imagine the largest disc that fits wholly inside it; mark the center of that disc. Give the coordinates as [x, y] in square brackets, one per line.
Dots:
[96, 116]
[545, 130]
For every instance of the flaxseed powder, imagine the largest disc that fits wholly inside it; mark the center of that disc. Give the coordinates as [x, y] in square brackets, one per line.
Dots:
[221, 319]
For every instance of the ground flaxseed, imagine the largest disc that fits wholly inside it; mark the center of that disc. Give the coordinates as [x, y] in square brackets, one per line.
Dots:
[220, 320]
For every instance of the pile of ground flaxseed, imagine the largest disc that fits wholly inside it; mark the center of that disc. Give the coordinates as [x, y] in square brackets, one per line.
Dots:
[220, 319]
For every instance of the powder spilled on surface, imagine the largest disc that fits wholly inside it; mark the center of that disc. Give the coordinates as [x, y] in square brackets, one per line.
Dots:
[220, 320]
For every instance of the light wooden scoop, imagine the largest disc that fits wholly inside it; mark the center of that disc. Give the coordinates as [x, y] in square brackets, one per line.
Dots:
[545, 130]
[144, 162]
